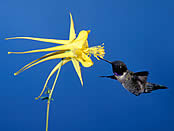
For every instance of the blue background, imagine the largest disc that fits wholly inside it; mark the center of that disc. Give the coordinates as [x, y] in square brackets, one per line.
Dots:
[138, 32]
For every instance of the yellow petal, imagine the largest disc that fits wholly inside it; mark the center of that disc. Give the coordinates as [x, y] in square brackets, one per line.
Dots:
[43, 40]
[83, 35]
[64, 61]
[56, 48]
[72, 34]
[85, 44]
[77, 68]
[85, 60]
[81, 40]
[45, 58]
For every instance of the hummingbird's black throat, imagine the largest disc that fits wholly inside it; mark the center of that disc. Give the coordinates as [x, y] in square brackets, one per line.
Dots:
[115, 73]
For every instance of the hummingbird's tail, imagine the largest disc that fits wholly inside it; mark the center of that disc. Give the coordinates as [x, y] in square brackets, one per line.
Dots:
[105, 60]
[151, 87]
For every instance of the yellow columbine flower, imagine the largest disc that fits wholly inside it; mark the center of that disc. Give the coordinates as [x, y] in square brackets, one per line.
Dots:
[74, 49]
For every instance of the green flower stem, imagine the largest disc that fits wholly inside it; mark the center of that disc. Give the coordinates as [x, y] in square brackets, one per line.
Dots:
[50, 97]
[48, 107]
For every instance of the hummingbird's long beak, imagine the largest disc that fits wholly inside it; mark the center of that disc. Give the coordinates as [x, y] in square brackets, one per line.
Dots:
[106, 60]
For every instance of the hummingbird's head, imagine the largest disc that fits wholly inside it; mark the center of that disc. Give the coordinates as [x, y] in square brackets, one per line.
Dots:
[119, 67]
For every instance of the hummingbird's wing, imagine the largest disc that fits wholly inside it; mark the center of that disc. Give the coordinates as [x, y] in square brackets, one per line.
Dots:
[142, 73]
[112, 77]
[142, 76]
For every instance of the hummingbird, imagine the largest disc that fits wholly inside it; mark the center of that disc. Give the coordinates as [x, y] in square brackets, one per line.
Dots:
[134, 82]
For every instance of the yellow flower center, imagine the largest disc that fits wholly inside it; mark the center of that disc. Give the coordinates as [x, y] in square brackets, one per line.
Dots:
[77, 52]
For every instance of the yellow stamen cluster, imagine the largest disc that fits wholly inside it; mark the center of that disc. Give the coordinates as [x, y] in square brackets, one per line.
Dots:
[96, 51]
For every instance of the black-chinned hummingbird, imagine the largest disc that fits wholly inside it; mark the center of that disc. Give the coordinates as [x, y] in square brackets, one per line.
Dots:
[134, 82]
